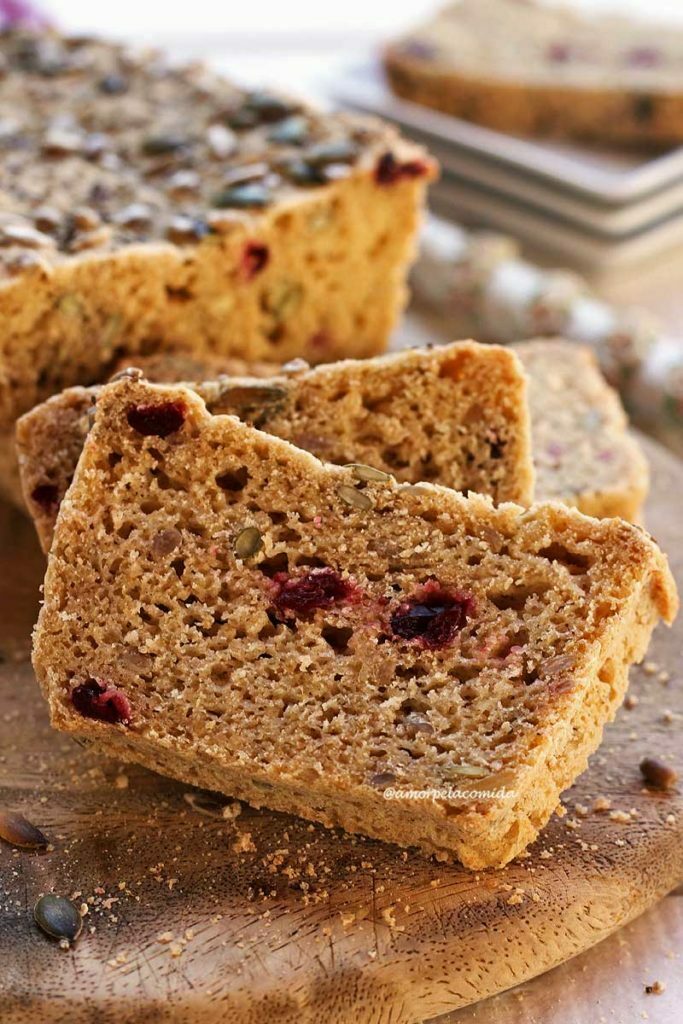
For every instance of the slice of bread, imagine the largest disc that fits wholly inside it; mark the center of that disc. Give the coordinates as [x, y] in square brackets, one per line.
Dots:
[583, 452]
[222, 607]
[457, 415]
[543, 69]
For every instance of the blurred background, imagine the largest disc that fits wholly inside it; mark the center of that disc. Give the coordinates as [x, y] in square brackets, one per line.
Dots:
[251, 35]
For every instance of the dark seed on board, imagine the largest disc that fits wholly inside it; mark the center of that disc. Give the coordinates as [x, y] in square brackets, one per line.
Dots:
[17, 830]
[658, 774]
[58, 917]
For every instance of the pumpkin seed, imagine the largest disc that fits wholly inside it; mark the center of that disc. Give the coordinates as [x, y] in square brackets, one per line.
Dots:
[382, 779]
[160, 145]
[58, 917]
[368, 473]
[206, 804]
[17, 830]
[301, 173]
[246, 398]
[268, 107]
[341, 151]
[283, 299]
[69, 305]
[248, 541]
[293, 131]
[357, 499]
[241, 197]
[472, 771]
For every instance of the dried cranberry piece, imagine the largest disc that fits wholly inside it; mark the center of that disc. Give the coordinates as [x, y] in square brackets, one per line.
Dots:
[46, 496]
[389, 170]
[157, 420]
[100, 700]
[434, 616]
[254, 259]
[318, 588]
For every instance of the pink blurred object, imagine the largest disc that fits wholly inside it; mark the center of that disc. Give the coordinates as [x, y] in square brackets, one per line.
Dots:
[18, 12]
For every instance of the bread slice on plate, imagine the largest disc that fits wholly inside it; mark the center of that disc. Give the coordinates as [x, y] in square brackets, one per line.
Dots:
[222, 607]
[457, 415]
[543, 69]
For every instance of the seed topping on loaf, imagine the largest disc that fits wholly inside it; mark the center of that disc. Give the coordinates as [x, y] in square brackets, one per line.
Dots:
[103, 146]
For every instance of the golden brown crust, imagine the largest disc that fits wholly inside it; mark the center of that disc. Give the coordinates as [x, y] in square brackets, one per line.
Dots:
[318, 710]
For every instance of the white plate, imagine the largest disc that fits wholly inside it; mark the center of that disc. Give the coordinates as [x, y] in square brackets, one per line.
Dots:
[607, 177]
[552, 238]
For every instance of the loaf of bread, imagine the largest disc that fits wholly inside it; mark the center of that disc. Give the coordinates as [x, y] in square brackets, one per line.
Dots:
[540, 69]
[222, 607]
[457, 415]
[147, 205]
[582, 452]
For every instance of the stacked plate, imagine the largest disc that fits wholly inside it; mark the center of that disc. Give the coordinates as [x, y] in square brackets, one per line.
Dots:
[594, 208]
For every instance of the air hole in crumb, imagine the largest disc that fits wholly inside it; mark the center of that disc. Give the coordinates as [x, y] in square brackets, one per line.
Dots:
[414, 705]
[268, 631]
[289, 536]
[165, 483]
[337, 636]
[410, 671]
[392, 458]
[276, 563]
[114, 458]
[178, 566]
[233, 480]
[575, 563]
[311, 561]
[514, 600]
[149, 506]
[531, 674]
[124, 531]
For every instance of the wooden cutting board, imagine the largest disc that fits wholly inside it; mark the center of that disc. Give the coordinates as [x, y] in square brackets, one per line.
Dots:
[195, 917]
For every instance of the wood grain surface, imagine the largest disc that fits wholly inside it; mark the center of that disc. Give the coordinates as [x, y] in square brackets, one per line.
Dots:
[196, 917]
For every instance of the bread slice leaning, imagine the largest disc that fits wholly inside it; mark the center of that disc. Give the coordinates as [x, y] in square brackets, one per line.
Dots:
[222, 607]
